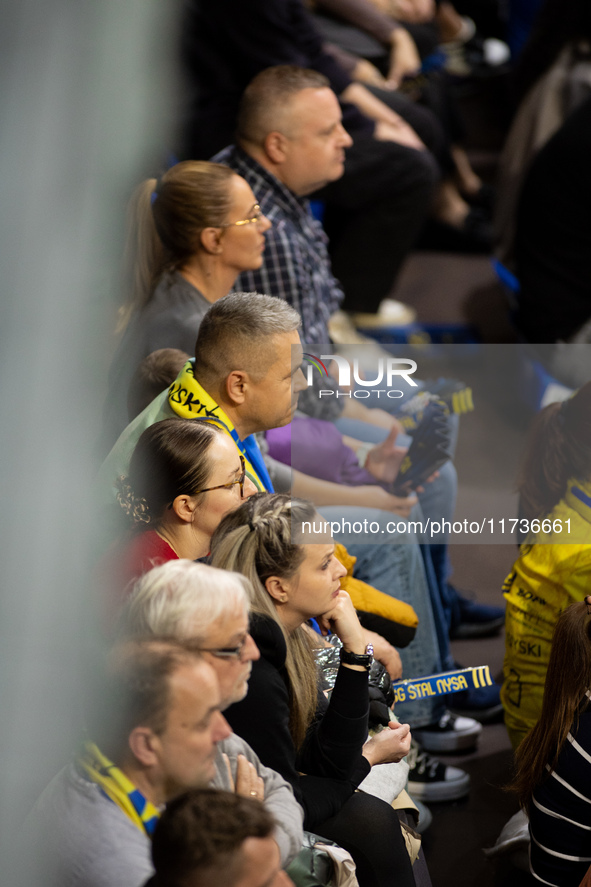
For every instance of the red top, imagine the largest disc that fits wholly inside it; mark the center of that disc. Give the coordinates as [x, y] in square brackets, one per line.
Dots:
[124, 563]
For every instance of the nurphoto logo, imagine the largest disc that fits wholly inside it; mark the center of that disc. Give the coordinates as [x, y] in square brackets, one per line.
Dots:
[388, 370]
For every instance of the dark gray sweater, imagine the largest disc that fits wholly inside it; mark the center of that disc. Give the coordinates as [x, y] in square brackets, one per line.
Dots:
[171, 319]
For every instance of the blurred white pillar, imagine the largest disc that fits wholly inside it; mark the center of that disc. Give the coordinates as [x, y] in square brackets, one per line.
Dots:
[86, 89]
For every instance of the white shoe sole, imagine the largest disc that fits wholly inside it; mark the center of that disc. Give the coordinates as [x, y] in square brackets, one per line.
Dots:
[437, 792]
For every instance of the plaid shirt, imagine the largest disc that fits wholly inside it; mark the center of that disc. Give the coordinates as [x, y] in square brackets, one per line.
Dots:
[296, 263]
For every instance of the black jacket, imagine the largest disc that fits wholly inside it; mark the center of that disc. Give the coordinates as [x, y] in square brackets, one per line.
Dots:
[331, 753]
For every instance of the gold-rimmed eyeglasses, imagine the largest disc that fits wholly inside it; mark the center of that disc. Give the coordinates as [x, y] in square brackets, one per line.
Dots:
[239, 480]
[258, 215]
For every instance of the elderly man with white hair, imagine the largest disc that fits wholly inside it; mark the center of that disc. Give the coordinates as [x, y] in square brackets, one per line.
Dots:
[207, 607]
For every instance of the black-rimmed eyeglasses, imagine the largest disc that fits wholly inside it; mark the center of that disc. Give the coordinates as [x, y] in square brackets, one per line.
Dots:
[227, 652]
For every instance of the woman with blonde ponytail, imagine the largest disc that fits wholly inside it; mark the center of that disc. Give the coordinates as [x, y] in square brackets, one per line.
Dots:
[553, 763]
[320, 747]
[189, 235]
[554, 565]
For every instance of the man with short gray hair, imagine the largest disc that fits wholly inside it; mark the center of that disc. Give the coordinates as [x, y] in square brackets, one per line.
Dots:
[246, 376]
[208, 609]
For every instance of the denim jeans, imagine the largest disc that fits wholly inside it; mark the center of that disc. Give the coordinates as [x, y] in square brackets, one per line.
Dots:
[397, 568]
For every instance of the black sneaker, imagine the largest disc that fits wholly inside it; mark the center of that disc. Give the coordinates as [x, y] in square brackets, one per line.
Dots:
[474, 620]
[429, 780]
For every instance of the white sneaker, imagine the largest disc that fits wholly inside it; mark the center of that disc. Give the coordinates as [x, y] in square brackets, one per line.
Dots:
[451, 733]
[513, 842]
[495, 52]
[390, 313]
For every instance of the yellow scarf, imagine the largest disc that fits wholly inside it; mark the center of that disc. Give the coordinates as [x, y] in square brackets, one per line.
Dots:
[190, 400]
[118, 788]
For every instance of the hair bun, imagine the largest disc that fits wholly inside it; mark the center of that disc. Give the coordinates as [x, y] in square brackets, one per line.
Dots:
[136, 509]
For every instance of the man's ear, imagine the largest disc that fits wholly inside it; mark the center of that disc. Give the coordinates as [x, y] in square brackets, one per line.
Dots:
[275, 145]
[278, 588]
[211, 240]
[237, 386]
[184, 508]
[143, 743]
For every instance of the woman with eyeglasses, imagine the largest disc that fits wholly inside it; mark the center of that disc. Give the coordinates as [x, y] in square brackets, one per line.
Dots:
[189, 235]
[184, 476]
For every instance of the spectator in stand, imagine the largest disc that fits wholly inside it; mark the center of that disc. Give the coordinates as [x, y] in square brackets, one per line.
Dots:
[152, 735]
[207, 837]
[290, 141]
[553, 250]
[554, 760]
[552, 78]
[184, 476]
[189, 234]
[554, 564]
[379, 36]
[284, 716]
[389, 178]
[345, 21]
[208, 610]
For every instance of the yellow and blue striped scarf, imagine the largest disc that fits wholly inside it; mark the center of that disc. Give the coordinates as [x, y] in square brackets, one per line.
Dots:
[189, 400]
[115, 785]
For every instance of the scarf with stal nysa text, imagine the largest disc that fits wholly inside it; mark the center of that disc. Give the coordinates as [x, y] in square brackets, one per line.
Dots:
[115, 785]
[190, 401]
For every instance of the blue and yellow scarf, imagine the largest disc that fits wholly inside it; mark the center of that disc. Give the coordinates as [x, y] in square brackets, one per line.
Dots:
[190, 401]
[115, 785]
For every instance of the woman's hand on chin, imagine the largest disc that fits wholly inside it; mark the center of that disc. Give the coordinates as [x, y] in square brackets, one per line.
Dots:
[389, 745]
[344, 622]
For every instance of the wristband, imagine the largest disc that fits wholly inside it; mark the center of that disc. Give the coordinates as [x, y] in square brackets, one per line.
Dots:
[364, 659]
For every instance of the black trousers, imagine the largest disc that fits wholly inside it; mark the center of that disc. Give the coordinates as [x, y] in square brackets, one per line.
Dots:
[370, 830]
[360, 43]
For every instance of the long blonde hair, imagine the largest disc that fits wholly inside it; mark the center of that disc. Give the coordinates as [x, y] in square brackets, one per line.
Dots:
[164, 220]
[256, 540]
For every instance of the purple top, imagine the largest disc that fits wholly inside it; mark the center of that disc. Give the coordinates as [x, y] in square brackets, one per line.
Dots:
[316, 448]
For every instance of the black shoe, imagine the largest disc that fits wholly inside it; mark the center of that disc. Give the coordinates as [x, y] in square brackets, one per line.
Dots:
[474, 620]
[429, 780]
[484, 198]
[473, 236]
